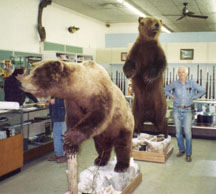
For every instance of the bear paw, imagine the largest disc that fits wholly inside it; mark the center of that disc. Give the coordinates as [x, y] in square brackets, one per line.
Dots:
[71, 149]
[73, 137]
[100, 162]
[121, 167]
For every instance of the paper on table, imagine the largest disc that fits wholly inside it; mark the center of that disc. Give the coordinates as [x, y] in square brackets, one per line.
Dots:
[9, 105]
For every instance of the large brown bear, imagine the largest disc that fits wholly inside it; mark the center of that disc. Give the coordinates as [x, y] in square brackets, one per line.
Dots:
[146, 64]
[95, 107]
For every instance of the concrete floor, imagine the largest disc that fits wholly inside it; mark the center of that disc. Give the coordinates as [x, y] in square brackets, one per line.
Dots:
[176, 176]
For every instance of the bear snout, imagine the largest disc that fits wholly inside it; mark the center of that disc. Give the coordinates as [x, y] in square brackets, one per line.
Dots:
[156, 27]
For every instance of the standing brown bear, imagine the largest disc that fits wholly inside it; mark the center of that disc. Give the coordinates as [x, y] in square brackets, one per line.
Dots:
[146, 64]
[95, 107]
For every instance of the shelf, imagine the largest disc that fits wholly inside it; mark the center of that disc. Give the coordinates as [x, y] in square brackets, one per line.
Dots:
[38, 151]
[193, 126]
[205, 101]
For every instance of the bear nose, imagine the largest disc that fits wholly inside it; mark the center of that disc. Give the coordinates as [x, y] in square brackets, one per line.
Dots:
[156, 25]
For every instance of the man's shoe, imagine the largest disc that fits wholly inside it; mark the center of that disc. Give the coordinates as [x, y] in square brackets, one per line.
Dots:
[179, 154]
[188, 158]
[62, 159]
[53, 158]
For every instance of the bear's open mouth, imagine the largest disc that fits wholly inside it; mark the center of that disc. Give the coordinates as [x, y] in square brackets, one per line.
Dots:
[155, 30]
[153, 33]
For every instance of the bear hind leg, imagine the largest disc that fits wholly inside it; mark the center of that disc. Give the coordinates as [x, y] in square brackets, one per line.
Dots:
[122, 146]
[138, 117]
[104, 148]
[162, 127]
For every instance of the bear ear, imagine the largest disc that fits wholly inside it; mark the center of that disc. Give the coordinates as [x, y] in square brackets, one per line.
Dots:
[140, 19]
[57, 66]
[56, 69]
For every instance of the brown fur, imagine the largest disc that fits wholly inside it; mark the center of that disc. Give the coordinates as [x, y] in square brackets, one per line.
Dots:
[146, 64]
[95, 107]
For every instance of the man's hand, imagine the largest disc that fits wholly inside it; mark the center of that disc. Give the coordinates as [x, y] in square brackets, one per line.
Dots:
[172, 98]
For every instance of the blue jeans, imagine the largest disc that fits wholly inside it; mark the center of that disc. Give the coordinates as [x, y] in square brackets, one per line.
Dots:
[59, 129]
[183, 118]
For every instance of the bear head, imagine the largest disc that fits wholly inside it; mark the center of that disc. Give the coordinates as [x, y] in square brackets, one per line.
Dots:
[149, 28]
[46, 78]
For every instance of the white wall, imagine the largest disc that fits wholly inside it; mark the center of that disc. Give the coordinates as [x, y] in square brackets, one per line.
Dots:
[204, 47]
[203, 52]
[19, 26]
[57, 19]
[123, 28]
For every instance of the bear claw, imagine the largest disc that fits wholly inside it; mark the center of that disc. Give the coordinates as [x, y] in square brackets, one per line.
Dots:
[70, 149]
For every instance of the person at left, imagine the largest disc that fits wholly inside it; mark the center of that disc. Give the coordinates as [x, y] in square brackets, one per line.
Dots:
[12, 87]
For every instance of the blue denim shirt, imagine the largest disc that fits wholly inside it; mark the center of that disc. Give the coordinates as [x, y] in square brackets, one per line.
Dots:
[184, 93]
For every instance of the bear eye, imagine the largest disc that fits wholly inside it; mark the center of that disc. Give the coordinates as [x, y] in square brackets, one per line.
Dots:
[34, 75]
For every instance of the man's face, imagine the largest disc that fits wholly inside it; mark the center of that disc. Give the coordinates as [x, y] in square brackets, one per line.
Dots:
[182, 74]
[21, 76]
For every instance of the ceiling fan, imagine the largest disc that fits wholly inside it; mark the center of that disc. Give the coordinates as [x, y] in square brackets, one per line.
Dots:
[186, 12]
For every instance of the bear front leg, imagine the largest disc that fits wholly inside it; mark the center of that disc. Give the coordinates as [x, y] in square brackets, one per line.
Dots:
[129, 69]
[122, 146]
[84, 129]
[104, 148]
[72, 141]
[156, 69]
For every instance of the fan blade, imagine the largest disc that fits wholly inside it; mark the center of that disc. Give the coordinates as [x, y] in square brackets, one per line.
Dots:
[172, 15]
[190, 13]
[180, 18]
[198, 16]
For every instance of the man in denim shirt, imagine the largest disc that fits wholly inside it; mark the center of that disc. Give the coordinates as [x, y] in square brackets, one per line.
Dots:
[57, 114]
[182, 92]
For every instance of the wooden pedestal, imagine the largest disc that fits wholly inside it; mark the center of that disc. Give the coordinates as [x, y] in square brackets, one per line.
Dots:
[133, 185]
[152, 156]
[11, 154]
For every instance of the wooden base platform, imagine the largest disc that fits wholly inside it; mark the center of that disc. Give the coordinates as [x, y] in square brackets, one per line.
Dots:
[152, 156]
[133, 185]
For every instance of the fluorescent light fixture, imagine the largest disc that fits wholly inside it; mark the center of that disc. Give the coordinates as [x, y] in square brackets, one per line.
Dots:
[120, 1]
[138, 12]
[133, 9]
